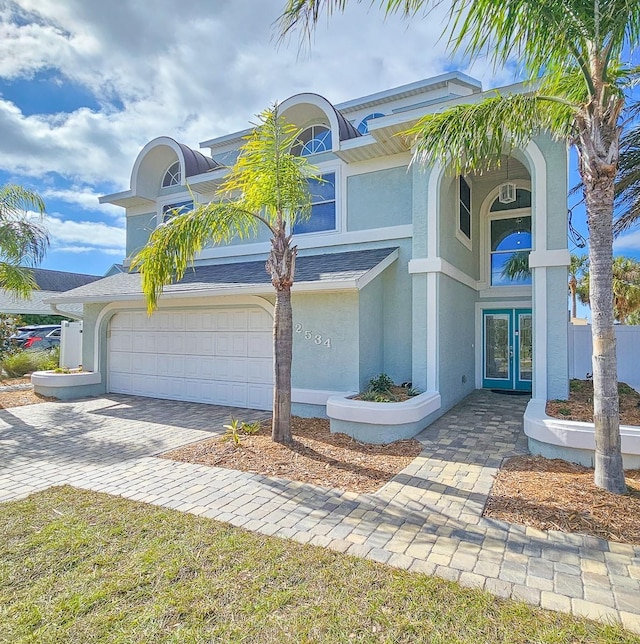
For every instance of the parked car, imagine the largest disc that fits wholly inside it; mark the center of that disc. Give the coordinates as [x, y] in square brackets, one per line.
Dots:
[37, 337]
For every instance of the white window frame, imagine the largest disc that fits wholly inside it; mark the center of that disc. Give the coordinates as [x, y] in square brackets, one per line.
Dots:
[460, 235]
[340, 194]
[162, 202]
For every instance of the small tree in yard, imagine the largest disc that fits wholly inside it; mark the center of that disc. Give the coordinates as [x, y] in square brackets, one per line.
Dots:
[267, 186]
[573, 52]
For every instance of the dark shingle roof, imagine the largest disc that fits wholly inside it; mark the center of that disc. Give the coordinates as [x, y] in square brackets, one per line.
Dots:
[48, 280]
[329, 267]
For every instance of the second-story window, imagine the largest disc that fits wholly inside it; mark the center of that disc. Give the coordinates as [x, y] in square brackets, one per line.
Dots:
[323, 209]
[313, 140]
[463, 228]
[172, 209]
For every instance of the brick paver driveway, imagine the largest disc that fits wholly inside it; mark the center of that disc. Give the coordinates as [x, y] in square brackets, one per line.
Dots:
[427, 519]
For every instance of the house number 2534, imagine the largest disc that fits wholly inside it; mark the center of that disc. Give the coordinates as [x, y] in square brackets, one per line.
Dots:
[316, 338]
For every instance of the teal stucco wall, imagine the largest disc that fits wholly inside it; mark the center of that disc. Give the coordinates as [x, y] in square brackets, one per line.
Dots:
[379, 199]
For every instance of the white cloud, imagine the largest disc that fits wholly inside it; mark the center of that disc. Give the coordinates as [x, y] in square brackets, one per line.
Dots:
[627, 242]
[84, 233]
[192, 74]
[84, 198]
[78, 250]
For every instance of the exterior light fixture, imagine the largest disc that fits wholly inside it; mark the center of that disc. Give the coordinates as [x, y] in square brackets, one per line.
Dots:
[507, 190]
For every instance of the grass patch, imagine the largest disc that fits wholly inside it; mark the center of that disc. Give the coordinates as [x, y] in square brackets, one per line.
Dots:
[77, 566]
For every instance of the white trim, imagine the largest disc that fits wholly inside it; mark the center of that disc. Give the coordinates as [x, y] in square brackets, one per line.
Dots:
[432, 382]
[322, 104]
[371, 274]
[74, 379]
[439, 265]
[372, 413]
[402, 159]
[540, 333]
[316, 396]
[314, 240]
[548, 258]
[571, 434]
[539, 203]
[433, 209]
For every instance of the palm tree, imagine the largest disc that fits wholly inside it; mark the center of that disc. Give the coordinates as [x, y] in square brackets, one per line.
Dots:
[572, 52]
[23, 240]
[578, 277]
[626, 288]
[269, 186]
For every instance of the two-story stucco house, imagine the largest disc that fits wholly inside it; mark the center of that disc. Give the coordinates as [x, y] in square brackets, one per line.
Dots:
[400, 270]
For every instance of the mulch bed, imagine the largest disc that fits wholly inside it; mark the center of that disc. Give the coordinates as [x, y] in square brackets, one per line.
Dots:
[580, 403]
[19, 398]
[556, 495]
[316, 456]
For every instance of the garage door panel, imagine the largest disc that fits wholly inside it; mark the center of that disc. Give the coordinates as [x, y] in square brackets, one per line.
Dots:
[260, 345]
[219, 356]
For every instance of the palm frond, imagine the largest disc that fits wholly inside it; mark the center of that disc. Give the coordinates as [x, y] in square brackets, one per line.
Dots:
[474, 136]
[628, 182]
[173, 245]
[17, 279]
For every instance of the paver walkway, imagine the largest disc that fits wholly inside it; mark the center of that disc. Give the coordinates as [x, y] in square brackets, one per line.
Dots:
[427, 519]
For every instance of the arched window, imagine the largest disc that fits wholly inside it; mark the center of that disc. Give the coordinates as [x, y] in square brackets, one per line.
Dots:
[173, 176]
[510, 248]
[313, 140]
[523, 200]
[363, 128]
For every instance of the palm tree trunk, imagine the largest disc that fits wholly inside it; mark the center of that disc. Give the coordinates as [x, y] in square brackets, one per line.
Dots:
[573, 286]
[282, 346]
[281, 266]
[609, 473]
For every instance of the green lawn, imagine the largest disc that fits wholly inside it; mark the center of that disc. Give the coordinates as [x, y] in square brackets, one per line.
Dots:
[82, 567]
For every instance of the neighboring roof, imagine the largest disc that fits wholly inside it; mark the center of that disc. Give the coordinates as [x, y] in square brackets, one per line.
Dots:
[330, 271]
[48, 280]
[114, 269]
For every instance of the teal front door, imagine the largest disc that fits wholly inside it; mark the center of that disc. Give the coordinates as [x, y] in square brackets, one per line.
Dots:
[507, 349]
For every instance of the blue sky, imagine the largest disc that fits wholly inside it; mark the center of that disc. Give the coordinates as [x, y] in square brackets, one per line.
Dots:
[84, 85]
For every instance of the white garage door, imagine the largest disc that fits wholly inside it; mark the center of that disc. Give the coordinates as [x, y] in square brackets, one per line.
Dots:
[221, 356]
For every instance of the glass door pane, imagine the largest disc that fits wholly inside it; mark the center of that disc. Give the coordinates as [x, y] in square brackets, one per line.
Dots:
[525, 361]
[496, 346]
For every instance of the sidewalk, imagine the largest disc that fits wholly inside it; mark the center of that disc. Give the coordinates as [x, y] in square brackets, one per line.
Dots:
[427, 519]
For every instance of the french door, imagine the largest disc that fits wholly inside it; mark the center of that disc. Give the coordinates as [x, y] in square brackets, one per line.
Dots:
[507, 349]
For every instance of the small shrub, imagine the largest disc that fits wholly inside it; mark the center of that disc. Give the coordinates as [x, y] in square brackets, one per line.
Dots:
[576, 385]
[413, 391]
[565, 411]
[251, 428]
[232, 432]
[373, 396]
[381, 384]
[24, 362]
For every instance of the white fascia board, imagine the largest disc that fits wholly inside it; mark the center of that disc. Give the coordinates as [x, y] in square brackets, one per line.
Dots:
[226, 142]
[252, 289]
[417, 87]
[371, 274]
[410, 116]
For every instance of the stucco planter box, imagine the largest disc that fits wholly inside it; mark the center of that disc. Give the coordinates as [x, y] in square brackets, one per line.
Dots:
[381, 423]
[65, 386]
[573, 440]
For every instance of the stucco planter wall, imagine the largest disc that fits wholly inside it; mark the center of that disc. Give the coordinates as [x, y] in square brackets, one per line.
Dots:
[572, 440]
[66, 386]
[381, 423]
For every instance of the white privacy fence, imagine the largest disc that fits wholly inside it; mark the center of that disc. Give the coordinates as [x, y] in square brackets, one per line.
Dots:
[71, 344]
[628, 350]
